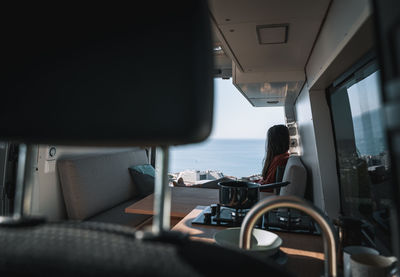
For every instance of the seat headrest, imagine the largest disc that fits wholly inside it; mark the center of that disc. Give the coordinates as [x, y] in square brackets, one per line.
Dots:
[100, 76]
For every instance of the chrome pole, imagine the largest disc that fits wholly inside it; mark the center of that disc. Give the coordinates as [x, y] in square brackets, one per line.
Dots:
[19, 184]
[162, 192]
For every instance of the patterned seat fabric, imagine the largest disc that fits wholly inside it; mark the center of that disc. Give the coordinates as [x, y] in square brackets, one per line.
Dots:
[100, 249]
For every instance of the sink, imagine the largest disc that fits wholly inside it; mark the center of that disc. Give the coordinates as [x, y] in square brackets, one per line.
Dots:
[263, 243]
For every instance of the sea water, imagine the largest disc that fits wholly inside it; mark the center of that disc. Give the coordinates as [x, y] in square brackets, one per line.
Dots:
[232, 157]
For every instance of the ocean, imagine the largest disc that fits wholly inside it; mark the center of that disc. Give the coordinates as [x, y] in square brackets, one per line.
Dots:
[232, 157]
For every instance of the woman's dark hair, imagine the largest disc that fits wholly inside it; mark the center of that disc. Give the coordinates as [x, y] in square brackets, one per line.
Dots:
[277, 143]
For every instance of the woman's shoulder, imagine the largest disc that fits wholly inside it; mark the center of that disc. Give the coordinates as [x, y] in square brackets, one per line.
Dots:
[283, 156]
[281, 159]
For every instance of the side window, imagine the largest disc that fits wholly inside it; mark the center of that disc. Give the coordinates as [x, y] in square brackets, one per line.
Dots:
[362, 153]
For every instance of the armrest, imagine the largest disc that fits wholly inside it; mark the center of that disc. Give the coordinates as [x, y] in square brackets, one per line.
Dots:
[275, 185]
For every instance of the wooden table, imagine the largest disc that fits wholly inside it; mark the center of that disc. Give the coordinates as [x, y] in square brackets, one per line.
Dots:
[305, 252]
[183, 201]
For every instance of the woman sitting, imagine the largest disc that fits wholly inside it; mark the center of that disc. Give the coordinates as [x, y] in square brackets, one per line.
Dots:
[277, 147]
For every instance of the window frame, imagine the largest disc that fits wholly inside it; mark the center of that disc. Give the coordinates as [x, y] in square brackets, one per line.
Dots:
[360, 70]
[346, 79]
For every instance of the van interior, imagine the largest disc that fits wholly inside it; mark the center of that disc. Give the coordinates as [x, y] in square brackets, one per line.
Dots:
[90, 93]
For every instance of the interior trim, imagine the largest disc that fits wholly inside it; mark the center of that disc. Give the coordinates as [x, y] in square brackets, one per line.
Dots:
[230, 52]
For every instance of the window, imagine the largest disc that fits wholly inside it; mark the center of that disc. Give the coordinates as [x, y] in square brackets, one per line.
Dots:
[362, 152]
[236, 146]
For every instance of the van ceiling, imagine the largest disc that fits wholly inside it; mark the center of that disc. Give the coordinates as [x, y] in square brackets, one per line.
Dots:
[268, 42]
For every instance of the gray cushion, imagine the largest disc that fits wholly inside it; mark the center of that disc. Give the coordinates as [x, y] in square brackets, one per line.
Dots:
[143, 178]
[144, 169]
[93, 184]
[296, 174]
[117, 215]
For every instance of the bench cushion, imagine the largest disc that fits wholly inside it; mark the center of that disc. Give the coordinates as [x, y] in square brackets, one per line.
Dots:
[143, 178]
[117, 215]
[95, 183]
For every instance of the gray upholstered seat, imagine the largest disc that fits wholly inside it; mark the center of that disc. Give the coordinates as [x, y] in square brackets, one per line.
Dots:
[117, 215]
[99, 249]
[296, 174]
[99, 187]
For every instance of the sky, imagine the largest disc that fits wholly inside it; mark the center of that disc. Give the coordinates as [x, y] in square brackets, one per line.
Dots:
[236, 118]
[365, 96]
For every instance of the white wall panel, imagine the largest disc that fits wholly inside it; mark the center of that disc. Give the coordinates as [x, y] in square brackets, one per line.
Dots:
[348, 23]
[326, 152]
[317, 149]
[308, 149]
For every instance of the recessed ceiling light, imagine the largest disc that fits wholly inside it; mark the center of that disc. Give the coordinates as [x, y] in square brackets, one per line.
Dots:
[272, 34]
[217, 48]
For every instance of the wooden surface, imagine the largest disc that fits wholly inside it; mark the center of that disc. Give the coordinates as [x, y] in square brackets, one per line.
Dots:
[184, 200]
[148, 223]
[305, 252]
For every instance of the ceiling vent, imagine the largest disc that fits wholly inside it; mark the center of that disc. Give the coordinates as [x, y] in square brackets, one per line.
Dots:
[272, 34]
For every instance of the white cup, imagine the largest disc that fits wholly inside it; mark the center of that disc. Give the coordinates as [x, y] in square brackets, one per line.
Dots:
[352, 250]
[370, 265]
